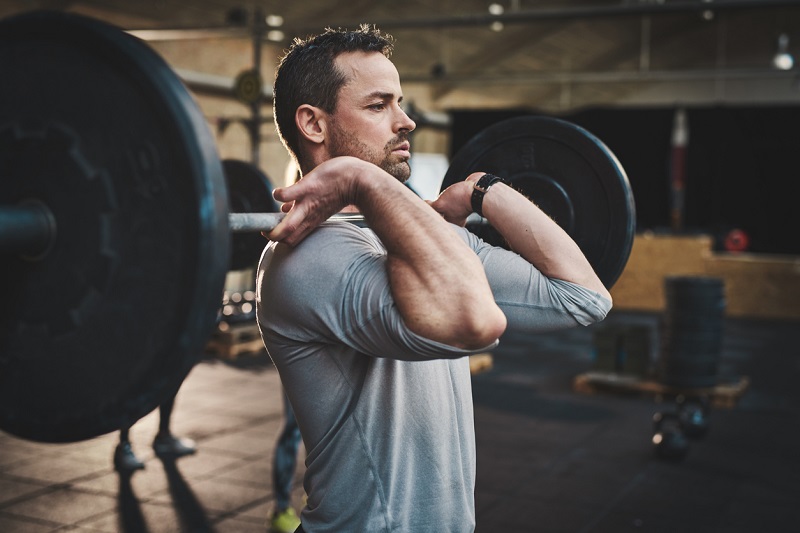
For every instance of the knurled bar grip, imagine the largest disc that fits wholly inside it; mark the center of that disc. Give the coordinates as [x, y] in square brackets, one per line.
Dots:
[249, 222]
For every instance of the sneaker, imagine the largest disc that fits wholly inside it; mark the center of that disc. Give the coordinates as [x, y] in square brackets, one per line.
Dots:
[285, 521]
[125, 460]
[169, 446]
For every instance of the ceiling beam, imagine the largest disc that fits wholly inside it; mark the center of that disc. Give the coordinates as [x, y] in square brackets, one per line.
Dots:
[561, 13]
[504, 46]
[186, 34]
[619, 76]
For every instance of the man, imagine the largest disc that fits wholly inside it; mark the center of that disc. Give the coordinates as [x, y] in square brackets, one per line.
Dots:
[369, 328]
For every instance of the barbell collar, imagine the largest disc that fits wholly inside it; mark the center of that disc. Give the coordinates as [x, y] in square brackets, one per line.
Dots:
[27, 229]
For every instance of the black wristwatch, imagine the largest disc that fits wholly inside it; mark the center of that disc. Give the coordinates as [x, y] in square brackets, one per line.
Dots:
[479, 189]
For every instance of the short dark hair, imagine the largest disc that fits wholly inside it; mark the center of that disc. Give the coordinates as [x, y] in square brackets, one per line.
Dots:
[307, 74]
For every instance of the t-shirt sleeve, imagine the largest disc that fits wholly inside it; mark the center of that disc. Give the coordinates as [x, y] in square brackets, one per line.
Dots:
[531, 301]
[334, 288]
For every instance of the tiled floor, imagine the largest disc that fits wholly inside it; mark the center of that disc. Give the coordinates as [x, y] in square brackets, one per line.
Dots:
[549, 459]
[234, 414]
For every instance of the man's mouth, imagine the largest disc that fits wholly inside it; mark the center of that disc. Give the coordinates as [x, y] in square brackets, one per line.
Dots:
[403, 150]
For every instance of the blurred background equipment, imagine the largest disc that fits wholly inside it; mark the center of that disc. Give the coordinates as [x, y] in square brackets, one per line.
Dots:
[249, 191]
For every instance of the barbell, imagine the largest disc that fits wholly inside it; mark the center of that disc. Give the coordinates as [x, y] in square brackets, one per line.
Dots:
[115, 222]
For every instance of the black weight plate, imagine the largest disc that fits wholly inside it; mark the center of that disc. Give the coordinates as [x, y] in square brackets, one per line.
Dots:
[249, 191]
[104, 328]
[569, 173]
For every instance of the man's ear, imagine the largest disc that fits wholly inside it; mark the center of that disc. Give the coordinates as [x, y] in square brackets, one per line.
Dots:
[311, 123]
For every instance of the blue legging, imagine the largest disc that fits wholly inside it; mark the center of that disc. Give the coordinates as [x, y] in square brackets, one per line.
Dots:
[285, 460]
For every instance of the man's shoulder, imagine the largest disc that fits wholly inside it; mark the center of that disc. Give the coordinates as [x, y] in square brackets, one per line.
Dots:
[330, 240]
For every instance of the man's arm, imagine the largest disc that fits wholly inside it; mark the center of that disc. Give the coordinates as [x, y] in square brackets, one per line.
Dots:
[528, 230]
[436, 280]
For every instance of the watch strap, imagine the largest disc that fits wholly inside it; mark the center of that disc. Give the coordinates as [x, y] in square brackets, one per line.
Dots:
[479, 190]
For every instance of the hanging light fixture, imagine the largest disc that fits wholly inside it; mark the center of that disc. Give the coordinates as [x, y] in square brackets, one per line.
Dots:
[274, 22]
[783, 60]
[496, 9]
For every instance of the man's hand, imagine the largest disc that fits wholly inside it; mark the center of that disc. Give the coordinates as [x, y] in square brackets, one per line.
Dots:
[323, 192]
[454, 202]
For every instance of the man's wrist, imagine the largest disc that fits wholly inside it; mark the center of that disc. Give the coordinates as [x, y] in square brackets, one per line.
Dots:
[479, 189]
[367, 181]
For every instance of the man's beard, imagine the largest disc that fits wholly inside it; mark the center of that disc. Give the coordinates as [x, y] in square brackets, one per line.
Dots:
[344, 143]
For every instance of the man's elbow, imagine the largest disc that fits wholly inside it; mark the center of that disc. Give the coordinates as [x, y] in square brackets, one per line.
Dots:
[599, 311]
[482, 327]
[607, 296]
[468, 328]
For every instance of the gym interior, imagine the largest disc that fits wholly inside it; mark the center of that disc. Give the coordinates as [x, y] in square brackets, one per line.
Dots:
[643, 422]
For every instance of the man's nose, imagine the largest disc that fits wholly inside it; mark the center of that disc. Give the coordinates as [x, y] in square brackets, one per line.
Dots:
[404, 122]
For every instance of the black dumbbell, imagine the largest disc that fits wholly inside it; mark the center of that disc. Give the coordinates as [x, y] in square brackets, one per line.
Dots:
[693, 414]
[668, 436]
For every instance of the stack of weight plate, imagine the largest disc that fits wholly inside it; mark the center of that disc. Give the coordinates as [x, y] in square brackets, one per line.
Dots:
[691, 336]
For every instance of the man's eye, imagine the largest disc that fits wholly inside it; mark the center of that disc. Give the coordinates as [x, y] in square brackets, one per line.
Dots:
[377, 107]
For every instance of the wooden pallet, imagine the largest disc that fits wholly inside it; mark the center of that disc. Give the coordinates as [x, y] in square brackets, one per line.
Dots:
[482, 362]
[721, 395]
[237, 339]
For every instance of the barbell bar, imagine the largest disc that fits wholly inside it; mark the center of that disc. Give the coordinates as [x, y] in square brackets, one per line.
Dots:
[30, 230]
[118, 219]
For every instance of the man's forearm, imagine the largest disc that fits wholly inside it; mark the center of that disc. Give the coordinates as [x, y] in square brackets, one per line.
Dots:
[536, 237]
[437, 281]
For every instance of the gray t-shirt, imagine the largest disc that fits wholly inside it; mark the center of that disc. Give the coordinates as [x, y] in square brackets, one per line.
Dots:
[386, 415]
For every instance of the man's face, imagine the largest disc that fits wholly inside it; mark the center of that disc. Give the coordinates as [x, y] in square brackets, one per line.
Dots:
[368, 122]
